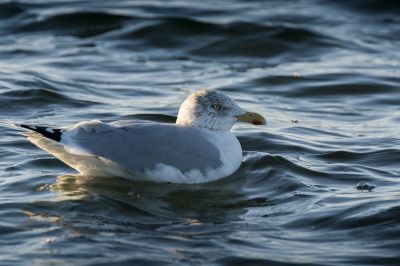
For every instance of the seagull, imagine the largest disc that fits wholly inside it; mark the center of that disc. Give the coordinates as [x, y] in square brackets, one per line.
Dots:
[198, 148]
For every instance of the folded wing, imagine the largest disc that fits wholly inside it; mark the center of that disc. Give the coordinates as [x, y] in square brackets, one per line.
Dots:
[139, 146]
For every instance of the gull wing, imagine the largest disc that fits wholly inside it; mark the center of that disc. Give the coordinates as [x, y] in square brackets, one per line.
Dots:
[140, 145]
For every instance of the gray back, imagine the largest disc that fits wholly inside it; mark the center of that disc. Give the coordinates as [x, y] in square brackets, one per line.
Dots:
[141, 145]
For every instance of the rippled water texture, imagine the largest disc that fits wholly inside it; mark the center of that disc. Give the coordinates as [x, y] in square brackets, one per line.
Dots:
[325, 73]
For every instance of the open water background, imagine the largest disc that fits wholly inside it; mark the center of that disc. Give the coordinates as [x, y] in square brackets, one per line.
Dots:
[326, 74]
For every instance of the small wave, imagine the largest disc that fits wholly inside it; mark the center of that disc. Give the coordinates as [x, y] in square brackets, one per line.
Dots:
[30, 90]
[80, 24]
[38, 97]
[328, 85]
[378, 159]
[275, 144]
[249, 40]
[370, 6]
[356, 218]
[243, 39]
[8, 10]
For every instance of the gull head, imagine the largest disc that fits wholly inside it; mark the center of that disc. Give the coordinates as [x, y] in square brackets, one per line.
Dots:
[215, 111]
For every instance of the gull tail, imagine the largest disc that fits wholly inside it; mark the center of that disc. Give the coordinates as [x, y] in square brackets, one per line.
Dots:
[49, 140]
[48, 132]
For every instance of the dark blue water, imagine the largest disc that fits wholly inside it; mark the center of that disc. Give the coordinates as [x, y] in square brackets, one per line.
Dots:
[326, 74]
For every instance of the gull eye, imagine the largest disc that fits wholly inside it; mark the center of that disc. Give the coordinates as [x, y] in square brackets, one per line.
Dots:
[216, 106]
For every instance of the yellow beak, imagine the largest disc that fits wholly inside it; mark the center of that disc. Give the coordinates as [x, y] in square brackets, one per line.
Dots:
[252, 118]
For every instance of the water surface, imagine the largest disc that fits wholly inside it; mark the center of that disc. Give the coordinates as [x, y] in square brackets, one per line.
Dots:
[326, 75]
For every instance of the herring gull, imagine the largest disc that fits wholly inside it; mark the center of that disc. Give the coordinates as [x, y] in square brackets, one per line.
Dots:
[199, 147]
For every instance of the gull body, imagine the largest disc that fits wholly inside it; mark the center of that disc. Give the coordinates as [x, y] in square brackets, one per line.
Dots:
[199, 147]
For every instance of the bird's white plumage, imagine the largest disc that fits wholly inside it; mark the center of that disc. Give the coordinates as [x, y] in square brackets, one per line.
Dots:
[230, 155]
[199, 148]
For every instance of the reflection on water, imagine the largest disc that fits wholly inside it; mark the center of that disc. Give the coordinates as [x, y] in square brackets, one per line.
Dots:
[215, 202]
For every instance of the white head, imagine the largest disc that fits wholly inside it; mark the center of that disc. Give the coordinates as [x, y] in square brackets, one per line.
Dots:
[214, 110]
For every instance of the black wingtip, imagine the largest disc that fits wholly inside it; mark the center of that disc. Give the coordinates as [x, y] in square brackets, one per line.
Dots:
[48, 132]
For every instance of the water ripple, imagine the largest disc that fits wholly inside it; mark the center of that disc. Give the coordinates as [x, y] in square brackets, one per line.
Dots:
[324, 74]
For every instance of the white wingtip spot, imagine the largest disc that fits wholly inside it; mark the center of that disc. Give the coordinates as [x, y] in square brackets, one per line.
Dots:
[50, 130]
